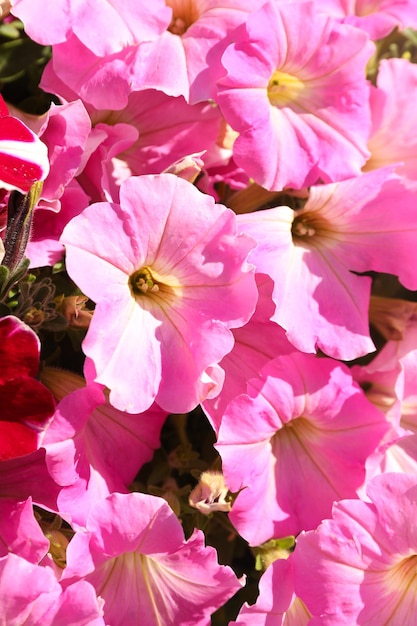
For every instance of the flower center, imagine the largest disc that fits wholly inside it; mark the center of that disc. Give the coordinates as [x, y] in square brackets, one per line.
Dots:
[184, 14]
[366, 7]
[310, 228]
[300, 433]
[142, 282]
[302, 227]
[284, 88]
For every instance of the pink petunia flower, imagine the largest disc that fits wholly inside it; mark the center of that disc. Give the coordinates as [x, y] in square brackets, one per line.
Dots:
[179, 55]
[256, 343]
[105, 26]
[30, 594]
[92, 448]
[95, 45]
[359, 567]
[43, 247]
[277, 604]
[389, 383]
[294, 444]
[376, 17]
[147, 136]
[134, 554]
[23, 156]
[185, 60]
[101, 81]
[402, 456]
[393, 139]
[311, 253]
[169, 276]
[20, 533]
[299, 103]
[160, 130]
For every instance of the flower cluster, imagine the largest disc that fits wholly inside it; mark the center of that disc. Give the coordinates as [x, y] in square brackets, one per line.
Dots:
[208, 328]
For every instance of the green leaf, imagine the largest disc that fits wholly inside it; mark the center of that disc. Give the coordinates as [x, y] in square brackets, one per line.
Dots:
[411, 35]
[18, 55]
[4, 274]
[272, 550]
[11, 30]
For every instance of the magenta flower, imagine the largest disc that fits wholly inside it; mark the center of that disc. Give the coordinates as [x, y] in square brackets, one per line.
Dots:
[156, 129]
[256, 343]
[134, 554]
[376, 17]
[23, 157]
[174, 47]
[169, 276]
[92, 448]
[299, 103]
[185, 60]
[402, 456]
[30, 594]
[44, 247]
[359, 567]
[390, 383]
[277, 603]
[105, 26]
[26, 405]
[393, 139]
[296, 443]
[95, 44]
[311, 253]
[20, 533]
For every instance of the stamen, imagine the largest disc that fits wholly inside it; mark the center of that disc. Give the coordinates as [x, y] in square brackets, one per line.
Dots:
[142, 282]
[177, 26]
[301, 228]
[184, 14]
[284, 88]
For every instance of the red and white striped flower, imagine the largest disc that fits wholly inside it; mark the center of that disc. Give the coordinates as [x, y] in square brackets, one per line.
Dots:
[23, 156]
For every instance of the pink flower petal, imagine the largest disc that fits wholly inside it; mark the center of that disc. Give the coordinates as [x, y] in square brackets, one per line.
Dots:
[295, 444]
[134, 553]
[169, 230]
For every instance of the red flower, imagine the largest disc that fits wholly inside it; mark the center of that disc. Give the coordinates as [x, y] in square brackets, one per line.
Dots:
[23, 156]
[26, 406]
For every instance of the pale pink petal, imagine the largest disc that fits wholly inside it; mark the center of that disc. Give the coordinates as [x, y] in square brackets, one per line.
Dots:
[343, 228]
[393, 138]
[39, 600]
[104, 26]
[276, 604]
[87, 440]
[293, 99]
[256, 343]
[367, 551]
[376, 17]
[134, 553]
[295, 444]
[167, 229]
